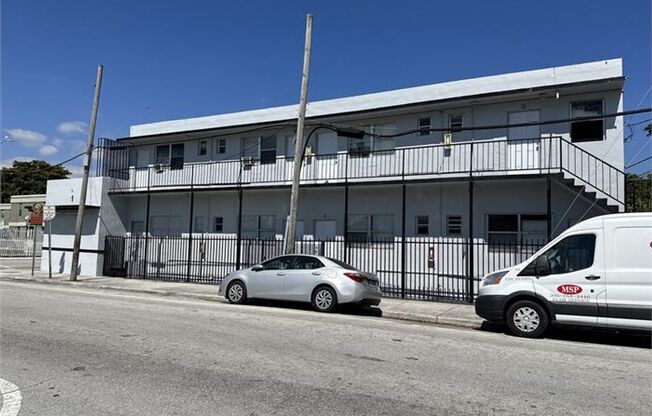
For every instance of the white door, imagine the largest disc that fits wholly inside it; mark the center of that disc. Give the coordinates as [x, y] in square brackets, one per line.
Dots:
[326, 156]
[325, 229]
[523, 142]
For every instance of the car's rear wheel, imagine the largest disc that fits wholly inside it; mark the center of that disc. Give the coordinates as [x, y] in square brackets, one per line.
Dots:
[527, 319]
[236, 292]
[324, 299]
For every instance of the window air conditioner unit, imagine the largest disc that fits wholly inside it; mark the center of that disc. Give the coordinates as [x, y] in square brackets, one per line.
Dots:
[247, 160]
[158, 168]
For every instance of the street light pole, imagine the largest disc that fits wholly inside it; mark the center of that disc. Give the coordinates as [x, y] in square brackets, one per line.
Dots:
[298, 142]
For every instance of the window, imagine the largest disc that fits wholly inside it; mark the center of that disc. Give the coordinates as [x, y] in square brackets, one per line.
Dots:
[454, 225]
[268, 149]
[289, 147]
[221, 146]
[278, 263]
[163, 154]
[424, 126]
[589, 130]
[202, 147]
[306, 263]
[341, 264]
[260, 148]
[258, 226]
[250, 147]
[455, 122]
[360, 147]
[571, 254]
[218, 224]
[198, 225]
[422, 225]
[363, 147]
[370, 227]
[516, 229]
[165, 225]
[503, 229]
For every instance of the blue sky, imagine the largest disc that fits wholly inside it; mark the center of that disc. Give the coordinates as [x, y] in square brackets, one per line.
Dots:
[176, 59]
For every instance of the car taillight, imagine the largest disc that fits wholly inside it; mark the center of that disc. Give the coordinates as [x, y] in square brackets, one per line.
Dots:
[356, 277]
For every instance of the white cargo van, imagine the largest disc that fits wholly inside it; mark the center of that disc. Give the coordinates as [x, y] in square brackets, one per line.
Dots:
[598, 272]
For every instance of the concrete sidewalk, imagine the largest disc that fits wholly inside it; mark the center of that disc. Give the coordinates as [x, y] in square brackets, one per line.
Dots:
[461, 315]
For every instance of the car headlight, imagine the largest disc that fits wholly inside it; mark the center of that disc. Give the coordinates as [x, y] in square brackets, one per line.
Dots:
[495, 278]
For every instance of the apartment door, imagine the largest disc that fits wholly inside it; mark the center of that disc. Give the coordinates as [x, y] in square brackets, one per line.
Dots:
[327, 166]
[325, 229]
[523, 142]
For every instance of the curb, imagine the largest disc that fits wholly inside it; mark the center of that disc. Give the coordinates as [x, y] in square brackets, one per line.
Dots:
[120, 289]
[389, 314]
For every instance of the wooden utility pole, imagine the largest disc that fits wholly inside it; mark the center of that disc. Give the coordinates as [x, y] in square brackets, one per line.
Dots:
[298, 142]
[84, 185]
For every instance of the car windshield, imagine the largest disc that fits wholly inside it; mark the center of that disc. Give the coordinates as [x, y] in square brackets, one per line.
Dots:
[342, 264]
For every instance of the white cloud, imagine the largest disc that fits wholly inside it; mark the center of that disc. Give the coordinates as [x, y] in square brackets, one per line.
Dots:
[71, 127]
[48, 150]
[57, 142]
[27, 138]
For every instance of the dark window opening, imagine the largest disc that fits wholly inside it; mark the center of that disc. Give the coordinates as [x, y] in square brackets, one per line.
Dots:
[422, 225]
[454, 225]
[588, 130]
[424, 126]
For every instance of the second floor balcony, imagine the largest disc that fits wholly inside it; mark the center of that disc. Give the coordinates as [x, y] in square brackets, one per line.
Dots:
[459, 160]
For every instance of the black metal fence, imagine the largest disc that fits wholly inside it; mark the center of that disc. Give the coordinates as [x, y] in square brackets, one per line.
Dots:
[418, 268]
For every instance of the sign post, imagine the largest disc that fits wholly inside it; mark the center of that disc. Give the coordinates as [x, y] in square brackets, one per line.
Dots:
[49, 212]
[35, 219]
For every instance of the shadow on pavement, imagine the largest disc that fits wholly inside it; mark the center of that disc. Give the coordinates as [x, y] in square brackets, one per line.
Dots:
[357, 310]
[623, 338]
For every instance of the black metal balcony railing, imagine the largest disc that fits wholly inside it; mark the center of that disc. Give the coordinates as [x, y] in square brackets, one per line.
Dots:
[457, 160]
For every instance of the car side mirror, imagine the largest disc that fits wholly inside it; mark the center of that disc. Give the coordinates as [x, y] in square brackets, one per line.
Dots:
[542, 266]
[258, 268]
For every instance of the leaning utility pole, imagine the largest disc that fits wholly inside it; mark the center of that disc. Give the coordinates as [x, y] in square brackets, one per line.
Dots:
[298, 143]
[84, 185]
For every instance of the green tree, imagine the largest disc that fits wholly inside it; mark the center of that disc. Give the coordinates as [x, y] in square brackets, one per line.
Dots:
[25, 178]
[638, 192]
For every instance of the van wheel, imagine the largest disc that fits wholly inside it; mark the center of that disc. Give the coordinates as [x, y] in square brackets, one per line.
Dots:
[527, 319]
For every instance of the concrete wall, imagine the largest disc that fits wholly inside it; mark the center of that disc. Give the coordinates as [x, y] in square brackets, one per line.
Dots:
[101, 218]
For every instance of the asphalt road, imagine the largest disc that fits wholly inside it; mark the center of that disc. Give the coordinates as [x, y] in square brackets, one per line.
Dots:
[73, 351]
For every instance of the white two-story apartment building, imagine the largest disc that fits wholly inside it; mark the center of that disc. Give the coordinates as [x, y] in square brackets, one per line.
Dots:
[492, 161]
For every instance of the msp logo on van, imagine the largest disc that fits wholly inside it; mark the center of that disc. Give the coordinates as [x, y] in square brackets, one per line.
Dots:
[569, 289]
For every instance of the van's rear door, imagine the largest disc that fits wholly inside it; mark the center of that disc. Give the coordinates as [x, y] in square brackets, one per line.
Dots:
[577, 282]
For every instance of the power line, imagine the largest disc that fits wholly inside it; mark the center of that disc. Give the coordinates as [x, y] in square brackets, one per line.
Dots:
[639, 162]
[503, 126]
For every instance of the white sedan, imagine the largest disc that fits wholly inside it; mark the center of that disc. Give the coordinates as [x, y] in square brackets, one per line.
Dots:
[322, 281]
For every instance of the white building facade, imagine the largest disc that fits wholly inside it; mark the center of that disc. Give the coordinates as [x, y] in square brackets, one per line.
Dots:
[228, 177]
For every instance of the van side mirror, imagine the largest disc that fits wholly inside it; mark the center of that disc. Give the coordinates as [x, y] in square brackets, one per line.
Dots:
[257, 268]
[542, 266]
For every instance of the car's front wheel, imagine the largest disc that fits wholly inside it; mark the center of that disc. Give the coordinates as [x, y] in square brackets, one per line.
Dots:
[324, 299]
[527, 319]
[236, 292]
